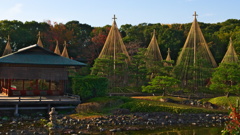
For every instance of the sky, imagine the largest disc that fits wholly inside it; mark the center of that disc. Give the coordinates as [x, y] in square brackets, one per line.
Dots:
[99, 13]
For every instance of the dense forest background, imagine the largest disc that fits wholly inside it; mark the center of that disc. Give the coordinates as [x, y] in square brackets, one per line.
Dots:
[86, 42]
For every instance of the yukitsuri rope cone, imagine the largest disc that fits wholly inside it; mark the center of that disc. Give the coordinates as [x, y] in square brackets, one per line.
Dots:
[39, 42]
[8, 48]
[65, 52]
[153, 56]
[114, 44]
[195, 59]
[114, 59]
[153, 51]
[168, 59]
[231, 55]
[57, 51]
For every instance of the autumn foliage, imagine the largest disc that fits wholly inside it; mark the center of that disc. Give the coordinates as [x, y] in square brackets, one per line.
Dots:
[233, 125]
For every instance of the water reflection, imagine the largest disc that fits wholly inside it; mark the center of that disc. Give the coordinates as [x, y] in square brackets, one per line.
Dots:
[182, 130]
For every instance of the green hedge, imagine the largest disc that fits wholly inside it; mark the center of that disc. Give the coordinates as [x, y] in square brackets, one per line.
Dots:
[89, 86]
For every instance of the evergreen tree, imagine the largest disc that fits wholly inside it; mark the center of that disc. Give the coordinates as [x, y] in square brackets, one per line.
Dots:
[226, 79]
[138, 68]
[161, 84]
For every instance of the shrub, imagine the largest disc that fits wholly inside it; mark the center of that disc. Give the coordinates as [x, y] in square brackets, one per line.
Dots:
[223, 101]
[233, 125]
[89, 86]
[89, 107]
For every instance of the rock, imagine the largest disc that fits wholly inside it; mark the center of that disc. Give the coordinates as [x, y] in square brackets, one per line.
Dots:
[12, 130]
[194, 124]
[210, 105]
[121, 111]
[88, 127]
[113, 130]
[167, 100]
[119, 129]
[193, 102]
[101, 129]
[186, 102]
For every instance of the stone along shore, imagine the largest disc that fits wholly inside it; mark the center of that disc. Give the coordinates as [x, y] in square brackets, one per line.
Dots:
[113, 123]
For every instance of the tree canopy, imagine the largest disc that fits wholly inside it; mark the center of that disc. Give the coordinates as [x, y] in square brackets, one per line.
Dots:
[226, 79]
[85, 41]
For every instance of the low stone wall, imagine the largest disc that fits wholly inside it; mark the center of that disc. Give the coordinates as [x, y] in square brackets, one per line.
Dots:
[125, 121]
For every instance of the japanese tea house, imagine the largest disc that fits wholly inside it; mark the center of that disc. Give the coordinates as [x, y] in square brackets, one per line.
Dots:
[35, 71]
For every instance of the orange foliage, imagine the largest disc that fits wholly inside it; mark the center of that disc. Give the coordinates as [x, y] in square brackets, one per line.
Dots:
[234, 124]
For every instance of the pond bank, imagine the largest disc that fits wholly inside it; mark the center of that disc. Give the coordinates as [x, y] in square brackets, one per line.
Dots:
[38, 124]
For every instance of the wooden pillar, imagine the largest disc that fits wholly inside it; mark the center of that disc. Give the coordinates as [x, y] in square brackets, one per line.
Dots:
[50, 83]
[23, 85]
[37, 84]
[16, 110]
[63, 88]
[8, 86]
[1, 85]
[10, 90]
[5, 83]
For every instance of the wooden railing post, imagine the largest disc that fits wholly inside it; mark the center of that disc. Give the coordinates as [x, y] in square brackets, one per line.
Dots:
[19, 99]
[16, 110]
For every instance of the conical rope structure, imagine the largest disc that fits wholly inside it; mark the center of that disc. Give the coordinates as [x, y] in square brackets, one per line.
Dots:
[8, 48]
[195, 60]
[57, 51]
[113, 60]
[168, 59]
[231, 55]
[153, 51]
[65, 52]
[39, 42]
[114, 44]
[153, 57]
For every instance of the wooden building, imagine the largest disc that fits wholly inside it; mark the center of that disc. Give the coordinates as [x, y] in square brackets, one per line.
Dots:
[34, 71]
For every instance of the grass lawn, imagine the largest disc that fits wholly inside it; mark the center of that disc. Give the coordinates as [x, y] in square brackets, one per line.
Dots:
[224, 101]
[142, 104]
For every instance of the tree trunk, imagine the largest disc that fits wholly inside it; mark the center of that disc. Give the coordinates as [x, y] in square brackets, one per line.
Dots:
[227, 95]
[163, 92]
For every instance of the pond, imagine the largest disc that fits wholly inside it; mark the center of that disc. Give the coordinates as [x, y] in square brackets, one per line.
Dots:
[181, 130]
